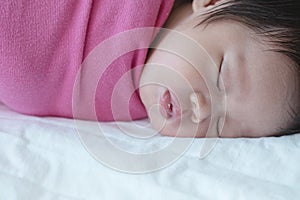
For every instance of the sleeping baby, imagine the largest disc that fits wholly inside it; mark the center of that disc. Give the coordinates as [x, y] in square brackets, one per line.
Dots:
[201, 68]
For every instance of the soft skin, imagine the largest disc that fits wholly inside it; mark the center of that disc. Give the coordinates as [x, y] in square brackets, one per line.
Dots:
[180, 98]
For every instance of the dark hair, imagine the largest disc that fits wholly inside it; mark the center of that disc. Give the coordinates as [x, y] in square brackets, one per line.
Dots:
[279, 22]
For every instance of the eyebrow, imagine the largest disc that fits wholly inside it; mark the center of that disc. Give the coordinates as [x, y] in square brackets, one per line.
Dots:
[237, 69]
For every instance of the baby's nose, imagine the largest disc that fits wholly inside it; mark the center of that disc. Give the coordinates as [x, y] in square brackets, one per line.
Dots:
[200, 107]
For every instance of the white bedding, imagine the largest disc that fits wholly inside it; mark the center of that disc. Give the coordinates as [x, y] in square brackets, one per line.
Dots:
[44, 158]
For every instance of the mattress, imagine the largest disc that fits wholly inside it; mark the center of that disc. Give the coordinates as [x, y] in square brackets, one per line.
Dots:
[58, 158]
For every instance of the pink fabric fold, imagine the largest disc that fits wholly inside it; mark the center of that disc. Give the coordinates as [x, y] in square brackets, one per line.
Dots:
[43, 44]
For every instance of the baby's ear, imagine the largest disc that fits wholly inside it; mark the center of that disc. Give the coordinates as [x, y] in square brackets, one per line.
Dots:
[198, 4]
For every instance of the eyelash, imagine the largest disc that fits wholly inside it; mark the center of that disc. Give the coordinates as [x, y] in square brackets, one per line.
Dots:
[219, 74]
[220, 123]
[218, 127]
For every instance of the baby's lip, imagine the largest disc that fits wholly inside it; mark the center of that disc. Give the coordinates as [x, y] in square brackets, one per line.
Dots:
[167, 99]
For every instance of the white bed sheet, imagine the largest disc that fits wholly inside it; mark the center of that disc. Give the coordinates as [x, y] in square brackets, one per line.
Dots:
[43, 158]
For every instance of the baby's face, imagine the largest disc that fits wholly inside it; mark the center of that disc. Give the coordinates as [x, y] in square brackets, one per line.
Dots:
[231, 79]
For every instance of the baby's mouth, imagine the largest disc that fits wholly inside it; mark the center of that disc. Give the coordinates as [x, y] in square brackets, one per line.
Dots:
[169, 106]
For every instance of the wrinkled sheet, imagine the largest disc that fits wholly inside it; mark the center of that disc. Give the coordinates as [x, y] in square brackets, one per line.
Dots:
[44, 158]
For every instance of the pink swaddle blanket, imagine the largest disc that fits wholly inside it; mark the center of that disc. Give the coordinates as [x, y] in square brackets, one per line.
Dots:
[43, 44]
